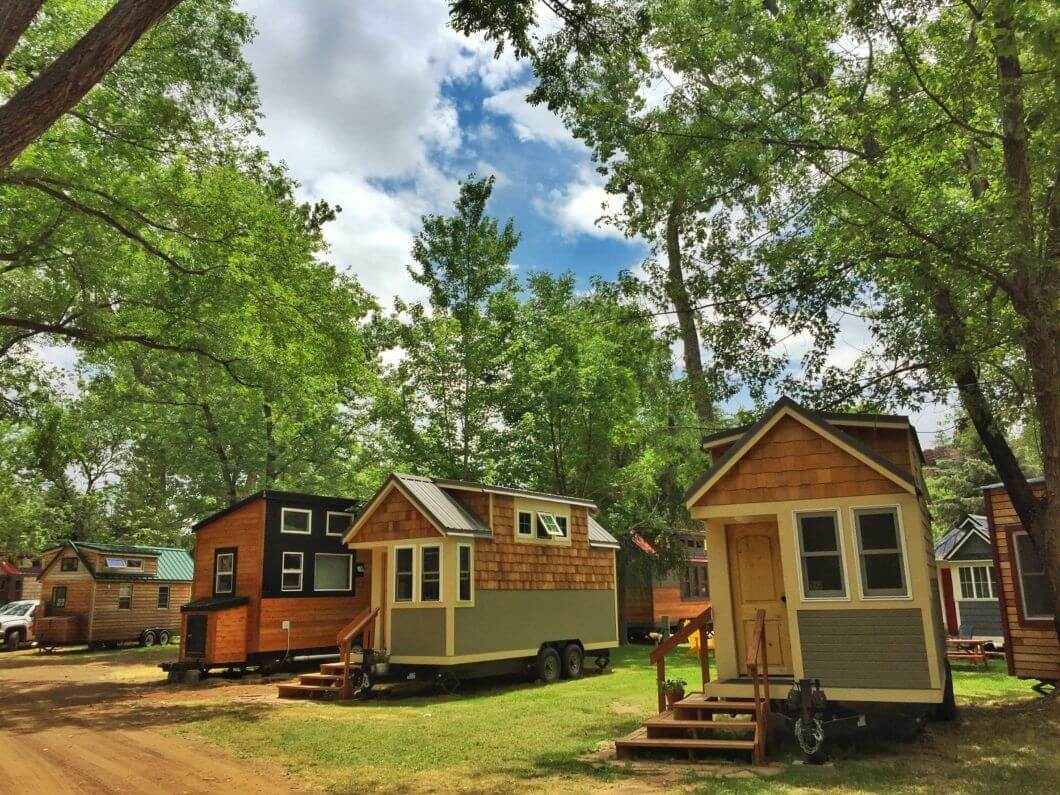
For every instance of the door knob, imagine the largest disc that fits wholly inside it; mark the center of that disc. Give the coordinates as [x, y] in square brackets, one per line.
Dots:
[783, 599]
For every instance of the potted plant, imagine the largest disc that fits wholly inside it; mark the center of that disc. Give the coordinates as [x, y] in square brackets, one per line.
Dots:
[674, 690]
[380, 661]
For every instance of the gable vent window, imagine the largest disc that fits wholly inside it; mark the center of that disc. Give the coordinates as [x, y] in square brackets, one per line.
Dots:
[68, 564]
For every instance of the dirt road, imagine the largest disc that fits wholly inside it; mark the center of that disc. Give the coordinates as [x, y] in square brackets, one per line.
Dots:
[104, 723]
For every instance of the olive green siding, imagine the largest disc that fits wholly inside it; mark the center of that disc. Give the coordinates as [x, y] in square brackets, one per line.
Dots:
[516, 620]
[865, 648]
[417, 632]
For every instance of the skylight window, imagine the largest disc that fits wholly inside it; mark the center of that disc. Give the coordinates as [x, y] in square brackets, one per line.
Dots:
[115, 563]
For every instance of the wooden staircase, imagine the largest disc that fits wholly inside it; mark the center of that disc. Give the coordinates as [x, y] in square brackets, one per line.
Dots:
[695, 723]
[334, 677]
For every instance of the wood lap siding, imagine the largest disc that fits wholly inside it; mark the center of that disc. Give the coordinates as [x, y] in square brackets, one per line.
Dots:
[395, 519]
[668, 602]
[507, 564]
[793, 462]
[1032, 647]
[110, 623]
[315, 621]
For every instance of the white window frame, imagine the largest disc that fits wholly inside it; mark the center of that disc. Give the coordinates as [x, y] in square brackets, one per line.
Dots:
[1019, 573]
[837, 515]
[134, 563]
[518, 525]
[899, 530]
[169, 595]
[393, 576]
[217, 573]
[541, 517]
[284, 570]
[309, 521]
[327, 523]
[122, 587]
[991, 582]
[349, 572]
[441, 578]
[565, 526]
[470, 572]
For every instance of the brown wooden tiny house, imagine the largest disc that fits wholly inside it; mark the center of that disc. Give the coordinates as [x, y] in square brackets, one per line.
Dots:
[273, 580]
[1032, 640]
[110, 593]
[660, 603]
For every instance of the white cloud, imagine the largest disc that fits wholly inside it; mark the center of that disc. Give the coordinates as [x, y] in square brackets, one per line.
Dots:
[577, 208]
[530, 122]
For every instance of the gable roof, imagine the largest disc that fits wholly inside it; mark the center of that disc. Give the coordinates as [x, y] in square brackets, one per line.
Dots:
[599, 537]
[785, 406]
[443, 511]
[270, 494]
[972, 525]
[174, 564]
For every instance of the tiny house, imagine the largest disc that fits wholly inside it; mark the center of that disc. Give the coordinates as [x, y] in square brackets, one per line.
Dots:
[273, 580]
[965, 564]
[1032, 641]
[824, 601]
[104, 594]
[469, 579]
[656, 602]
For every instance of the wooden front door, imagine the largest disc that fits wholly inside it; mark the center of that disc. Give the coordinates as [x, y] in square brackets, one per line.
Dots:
[757, 582]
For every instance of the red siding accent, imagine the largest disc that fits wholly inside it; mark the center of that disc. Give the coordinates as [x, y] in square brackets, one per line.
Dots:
[946, 576]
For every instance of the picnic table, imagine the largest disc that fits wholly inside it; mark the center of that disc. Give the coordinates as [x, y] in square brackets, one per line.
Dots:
[967, 649]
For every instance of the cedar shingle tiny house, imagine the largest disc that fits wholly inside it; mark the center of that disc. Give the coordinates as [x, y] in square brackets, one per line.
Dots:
[109, 593]
[657, 602]
[821, 571]
[965, 564]
[470, 579]
[1032, 642]
[273, 580]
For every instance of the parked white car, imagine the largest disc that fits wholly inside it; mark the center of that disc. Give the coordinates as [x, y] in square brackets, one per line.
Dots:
[16, 623]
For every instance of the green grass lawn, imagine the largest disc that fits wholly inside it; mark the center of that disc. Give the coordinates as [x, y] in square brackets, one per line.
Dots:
[514, 735]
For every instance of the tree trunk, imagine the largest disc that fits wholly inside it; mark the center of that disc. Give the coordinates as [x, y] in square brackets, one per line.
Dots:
[228, 475]
[620, 588]
[677, 292]
[57, 89]
[15, 17]
[270, 446]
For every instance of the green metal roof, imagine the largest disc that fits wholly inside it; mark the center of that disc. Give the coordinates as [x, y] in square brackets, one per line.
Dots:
[174, 563]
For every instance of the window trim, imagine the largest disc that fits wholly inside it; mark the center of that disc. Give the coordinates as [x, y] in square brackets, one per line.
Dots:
[441, 577]
[686, 579]
[543, 517]
[300, 571]
[121, 587]
[903, 553]
[518, 524]
[840, 535]
[990, 579]
[327, 523]
[65, 596]
[217, 554]
[309, 522]
[394, 574]
[1022, 601]
[470, 573]
[158, 600]
[349, 572]
[64, 559]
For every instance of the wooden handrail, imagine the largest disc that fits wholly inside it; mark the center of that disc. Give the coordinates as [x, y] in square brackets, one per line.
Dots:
[758, 668]
[704, 619]
[360, 621]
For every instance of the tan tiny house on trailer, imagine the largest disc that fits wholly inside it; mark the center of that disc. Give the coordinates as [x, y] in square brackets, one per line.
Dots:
[823, 589]
[109, 593]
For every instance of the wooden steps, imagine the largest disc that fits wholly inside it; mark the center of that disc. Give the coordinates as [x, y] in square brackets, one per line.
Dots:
[298, 690]
[693, 725]
[325, 684]
[641, 739]
[666, 721]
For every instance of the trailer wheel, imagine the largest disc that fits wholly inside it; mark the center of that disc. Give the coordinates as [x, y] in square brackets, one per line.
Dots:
[947, 710]
[573, 662]
[163, 637]
[148, 637]
[548, 665]
[448, 682]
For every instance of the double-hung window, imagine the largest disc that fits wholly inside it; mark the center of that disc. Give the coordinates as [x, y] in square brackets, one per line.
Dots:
[291, 575]
[464, 574]
[403, 574]
[1035, 592]
[125, 596]
[224, 572]
[430, 574]
[163, 597]
[821, 556]
[881, 561]
[977, 582]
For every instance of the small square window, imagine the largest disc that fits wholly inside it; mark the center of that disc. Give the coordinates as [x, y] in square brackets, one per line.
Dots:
[338, 523]
[68, 564]
[526, 523]
[291, 575]
[133, 563]
[125, 597]
[297, 521]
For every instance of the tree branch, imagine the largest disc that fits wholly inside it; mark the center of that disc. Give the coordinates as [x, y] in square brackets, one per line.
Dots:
[15, 18]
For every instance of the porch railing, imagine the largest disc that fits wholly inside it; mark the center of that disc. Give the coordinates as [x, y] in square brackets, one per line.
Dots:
[361, 624]
[702, 623]
[758, 669]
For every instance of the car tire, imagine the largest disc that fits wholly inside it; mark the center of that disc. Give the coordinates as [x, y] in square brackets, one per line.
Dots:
[148, 637]
[573, 661]
[548, 665]
[13, 640]
[163, 637]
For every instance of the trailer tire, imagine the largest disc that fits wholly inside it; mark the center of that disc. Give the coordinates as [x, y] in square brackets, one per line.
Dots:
[573, 661]
[148, 637]
[947, 710]
[548, 665]
[163, 637]
[12, 640]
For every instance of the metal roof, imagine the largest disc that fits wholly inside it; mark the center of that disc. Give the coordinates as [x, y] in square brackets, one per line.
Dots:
[599, 537]
[1032, 481]
[972, 523]
[174, 564]
[542, 495]
[443, 509]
